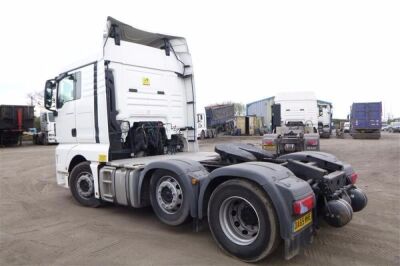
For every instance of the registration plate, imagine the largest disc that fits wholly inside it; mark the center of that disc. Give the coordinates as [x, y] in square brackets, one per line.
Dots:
[269, 147]
[302, 222]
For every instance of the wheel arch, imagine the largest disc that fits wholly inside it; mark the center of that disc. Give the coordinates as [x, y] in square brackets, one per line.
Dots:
[77, 159]
[186, 169]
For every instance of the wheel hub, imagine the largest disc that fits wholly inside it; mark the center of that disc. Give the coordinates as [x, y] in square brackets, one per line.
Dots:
[248, 216]
[166, 195]
[84, 185]
[239, 220]
[169, 194]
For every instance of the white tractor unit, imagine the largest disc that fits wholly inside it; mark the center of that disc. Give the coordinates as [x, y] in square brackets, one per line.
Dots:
[47, 134]
[324, 119]
[127, 133]
[294, 124]
[202, 130]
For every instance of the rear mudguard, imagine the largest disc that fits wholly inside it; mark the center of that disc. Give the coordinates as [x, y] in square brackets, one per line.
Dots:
[282, 187]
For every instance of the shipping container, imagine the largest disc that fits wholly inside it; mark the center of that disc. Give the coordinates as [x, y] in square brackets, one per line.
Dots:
[366, 120]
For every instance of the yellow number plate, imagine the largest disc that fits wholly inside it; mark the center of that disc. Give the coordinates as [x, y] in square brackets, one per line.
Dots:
[302, 222]
[268, 147]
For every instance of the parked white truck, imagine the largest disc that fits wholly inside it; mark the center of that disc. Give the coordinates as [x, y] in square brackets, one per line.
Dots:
[202, 130]
[294, 123]
[47, 134]
[324, 119]
[126, 125]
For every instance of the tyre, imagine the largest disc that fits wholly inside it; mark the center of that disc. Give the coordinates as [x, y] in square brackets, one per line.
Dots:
[202, 135]
[169, 198]
[243, 220]
[82, 185]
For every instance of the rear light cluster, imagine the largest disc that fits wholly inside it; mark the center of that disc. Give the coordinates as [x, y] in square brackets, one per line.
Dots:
[268, 142]
[312, 142]
[353, 178]
[303, 205]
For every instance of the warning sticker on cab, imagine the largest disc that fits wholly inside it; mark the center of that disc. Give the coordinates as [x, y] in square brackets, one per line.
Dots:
[146, 81]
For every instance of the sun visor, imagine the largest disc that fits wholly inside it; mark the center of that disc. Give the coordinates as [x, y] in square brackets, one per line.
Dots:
[130, 34]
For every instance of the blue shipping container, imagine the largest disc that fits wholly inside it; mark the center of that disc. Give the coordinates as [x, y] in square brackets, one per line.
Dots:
[366, 117]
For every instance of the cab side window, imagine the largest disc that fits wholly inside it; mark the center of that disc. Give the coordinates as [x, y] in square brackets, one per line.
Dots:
[69, 89]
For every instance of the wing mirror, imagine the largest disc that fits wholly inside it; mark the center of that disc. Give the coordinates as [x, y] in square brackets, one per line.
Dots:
[48, 94]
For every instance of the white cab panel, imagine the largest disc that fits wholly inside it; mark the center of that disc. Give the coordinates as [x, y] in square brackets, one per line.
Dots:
[298, 106]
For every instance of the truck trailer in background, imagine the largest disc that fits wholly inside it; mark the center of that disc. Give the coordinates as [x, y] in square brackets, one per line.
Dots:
[366, 120]
[14, 120]
[217, 116]
[223, 118]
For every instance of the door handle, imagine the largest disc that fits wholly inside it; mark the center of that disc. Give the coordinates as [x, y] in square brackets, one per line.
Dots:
[73, 132]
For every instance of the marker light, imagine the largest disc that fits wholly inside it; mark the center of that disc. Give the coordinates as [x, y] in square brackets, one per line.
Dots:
[353, 177]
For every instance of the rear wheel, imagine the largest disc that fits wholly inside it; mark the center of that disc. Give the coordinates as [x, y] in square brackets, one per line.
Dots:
[243, 221]
[168, 197]
[82, 185]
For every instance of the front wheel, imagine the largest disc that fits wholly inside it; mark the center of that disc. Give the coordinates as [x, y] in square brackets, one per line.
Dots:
[243, 221]
[82, 185]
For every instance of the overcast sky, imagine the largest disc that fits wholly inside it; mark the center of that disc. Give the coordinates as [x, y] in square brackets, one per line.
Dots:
[344, 51]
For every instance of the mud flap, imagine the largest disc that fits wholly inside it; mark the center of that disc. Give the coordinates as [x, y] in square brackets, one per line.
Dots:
[297, 242]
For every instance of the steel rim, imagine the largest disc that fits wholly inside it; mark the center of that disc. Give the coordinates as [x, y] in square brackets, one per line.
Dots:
[169, 194]
[84, 185]
[239, 220]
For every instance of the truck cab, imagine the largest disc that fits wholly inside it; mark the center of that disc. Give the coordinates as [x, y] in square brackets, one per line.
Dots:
[203, 131]
[324, 119]
[294, 123]
[47, 134]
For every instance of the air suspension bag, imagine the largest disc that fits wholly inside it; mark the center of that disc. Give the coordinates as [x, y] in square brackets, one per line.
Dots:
[338, 213]
[358, 199]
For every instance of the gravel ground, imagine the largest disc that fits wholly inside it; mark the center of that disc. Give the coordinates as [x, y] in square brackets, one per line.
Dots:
[41, 223]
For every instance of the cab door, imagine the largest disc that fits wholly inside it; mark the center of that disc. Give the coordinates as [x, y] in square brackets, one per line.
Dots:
[66, 105]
